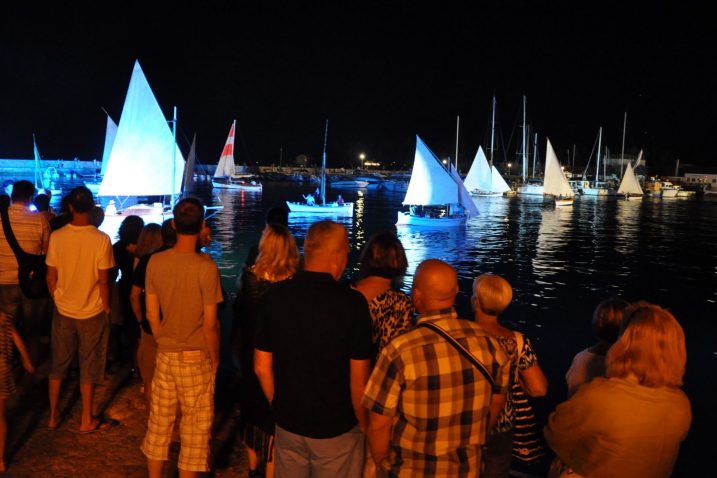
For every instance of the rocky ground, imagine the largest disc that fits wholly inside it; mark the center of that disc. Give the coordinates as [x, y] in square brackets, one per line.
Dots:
[34, 451]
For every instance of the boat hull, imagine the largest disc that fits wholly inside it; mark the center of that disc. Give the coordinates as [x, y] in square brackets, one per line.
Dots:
[406, 219]
[348, 184]
[479, 193]
[531, 190]
[150, 213]
[563, 202]
[669, 193]
[347, 209]
[237, 186]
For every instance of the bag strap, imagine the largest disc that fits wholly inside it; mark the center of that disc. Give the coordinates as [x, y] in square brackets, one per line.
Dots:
[10, 235]
[463, 351]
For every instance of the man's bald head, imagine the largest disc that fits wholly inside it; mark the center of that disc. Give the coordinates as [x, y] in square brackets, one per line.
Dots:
[326, 248]
[435, 285]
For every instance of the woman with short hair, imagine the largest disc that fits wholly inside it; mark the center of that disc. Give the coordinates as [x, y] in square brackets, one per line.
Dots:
[632, 422]
[383, 264]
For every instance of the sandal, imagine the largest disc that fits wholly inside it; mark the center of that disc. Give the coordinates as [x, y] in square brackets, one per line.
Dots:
[102, 424]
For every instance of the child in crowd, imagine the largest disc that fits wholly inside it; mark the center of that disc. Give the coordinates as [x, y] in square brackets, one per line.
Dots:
[590, 363]
[8, 337]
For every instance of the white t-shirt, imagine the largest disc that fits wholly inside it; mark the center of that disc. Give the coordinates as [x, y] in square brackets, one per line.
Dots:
[79, 253]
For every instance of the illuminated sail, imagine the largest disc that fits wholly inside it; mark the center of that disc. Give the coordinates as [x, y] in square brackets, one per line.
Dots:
[225, 167]
[463, 194]
[430, 183]
[145, 161]
[498, 184]
[479, 176]
[110, 135]
[629, 183]
[555, 182]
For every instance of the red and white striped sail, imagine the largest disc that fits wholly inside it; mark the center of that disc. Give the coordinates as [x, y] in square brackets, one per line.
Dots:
[226, 167]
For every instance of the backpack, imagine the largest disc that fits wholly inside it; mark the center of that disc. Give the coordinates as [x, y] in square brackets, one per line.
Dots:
[31, 268]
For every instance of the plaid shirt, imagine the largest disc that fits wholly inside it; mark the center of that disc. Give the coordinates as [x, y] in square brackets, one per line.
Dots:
[441, 401]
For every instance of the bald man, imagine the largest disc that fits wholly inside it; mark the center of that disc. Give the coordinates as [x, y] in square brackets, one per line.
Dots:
[430, 407]
[312, 358]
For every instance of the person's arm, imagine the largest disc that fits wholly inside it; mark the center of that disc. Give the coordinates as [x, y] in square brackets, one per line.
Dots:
[534, 382]
[135, 299]
[103, 280]
[211, 334]
[151, 302]
[497, 402]
[26, 362]
[51, 279]
[264, 370]
[378, 433]
[359, 371]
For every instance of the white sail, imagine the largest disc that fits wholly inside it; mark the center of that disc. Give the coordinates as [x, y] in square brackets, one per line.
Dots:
[110, 134]
[226, 167]
[629, 183]
[498, 184]
[463, 194]
[479, 175]
[430, 183]
[189, 182]
[555, 183]
[145, 160]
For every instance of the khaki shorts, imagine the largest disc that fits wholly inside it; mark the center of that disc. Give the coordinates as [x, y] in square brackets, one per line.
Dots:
[86, 337]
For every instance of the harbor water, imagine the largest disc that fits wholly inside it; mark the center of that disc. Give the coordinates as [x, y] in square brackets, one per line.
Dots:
[561, 263]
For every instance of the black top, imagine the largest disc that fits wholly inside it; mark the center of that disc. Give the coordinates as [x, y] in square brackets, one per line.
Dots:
[313, 326]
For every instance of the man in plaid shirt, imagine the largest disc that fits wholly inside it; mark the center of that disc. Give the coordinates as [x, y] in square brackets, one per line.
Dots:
[430, 408]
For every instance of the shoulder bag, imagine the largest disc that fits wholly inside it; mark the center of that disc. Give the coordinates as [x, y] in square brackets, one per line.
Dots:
[31, 268]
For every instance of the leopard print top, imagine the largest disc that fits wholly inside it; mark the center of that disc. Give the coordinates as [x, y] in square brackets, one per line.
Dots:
[392, 314]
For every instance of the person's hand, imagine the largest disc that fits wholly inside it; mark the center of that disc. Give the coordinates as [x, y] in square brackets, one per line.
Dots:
[27, 365]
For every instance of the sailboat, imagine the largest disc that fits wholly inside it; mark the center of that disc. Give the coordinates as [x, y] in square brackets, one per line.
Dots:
[629, 186]
[555, 183]
[110, 134]
[598, 188]
[145, 160]
[484, 180]
[225, 176]
[436, 197]
[39, 176]
[311, 206]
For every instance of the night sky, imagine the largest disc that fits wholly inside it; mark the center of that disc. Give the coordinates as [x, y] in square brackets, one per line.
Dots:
[380, 73]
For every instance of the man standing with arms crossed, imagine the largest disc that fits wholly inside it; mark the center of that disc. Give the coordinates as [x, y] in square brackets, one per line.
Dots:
[182, 290]
[431, 408]
[79, 260]
[312, 358]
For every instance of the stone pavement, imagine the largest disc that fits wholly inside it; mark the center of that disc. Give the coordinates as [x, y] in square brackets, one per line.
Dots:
[33, 451]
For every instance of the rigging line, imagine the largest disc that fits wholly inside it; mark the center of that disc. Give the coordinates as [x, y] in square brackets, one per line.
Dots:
[585, 171]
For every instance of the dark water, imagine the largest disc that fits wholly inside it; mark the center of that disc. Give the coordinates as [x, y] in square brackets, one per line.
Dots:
[560, 262]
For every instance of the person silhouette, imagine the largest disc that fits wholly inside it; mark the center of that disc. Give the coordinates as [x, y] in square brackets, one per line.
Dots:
[340, 200]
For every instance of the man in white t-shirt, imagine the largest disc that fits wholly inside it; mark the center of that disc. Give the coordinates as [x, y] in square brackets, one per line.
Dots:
[79, 259]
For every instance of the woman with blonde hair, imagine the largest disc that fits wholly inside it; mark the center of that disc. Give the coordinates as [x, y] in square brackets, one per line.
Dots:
[278, 260]
[632, 422]
[491, 296]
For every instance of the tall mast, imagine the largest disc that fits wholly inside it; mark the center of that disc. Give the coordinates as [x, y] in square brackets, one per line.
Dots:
[525, 159]
[458, 124]
[492, 134]
[622, 153]
[535, 152]
[597, 165]
[323, 165]
[174, 154]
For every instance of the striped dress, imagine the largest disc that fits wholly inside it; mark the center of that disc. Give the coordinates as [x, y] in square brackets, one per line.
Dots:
[7, 380]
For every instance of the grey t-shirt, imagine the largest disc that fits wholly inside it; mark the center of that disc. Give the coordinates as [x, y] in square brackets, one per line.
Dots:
[184, 282]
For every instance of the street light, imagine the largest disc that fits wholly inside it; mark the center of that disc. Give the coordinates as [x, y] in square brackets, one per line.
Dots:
[509, 166]
[362, 157]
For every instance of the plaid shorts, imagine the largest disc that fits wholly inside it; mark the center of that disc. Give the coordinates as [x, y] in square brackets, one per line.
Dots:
[183, 378]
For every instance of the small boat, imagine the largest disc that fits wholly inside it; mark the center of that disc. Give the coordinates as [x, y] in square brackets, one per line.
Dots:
[483, 179]
[598, 188]
[226, 176]
[686, 193]
[555, 184]
[630, 188]
[436, 197]
[337, 208]
[41, 186]
[669, 190]
[348, 183]
[145, 160]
